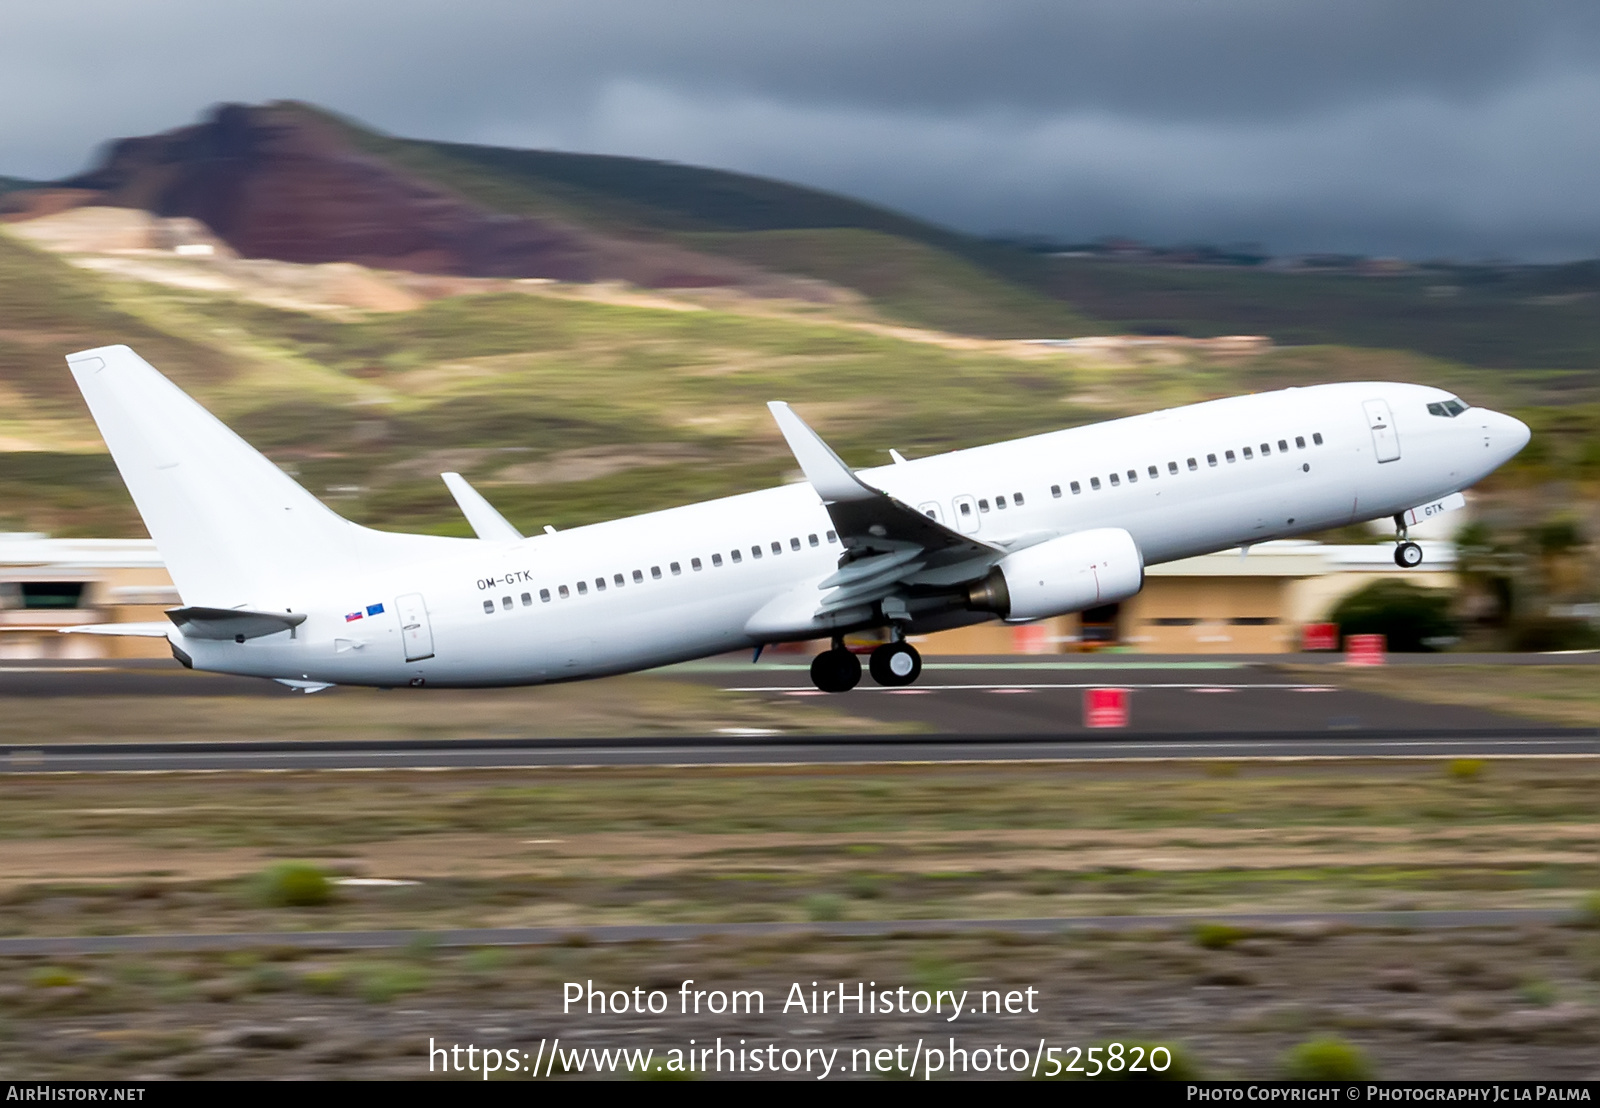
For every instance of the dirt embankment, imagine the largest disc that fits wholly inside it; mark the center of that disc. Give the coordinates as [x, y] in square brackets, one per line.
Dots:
[275, 182]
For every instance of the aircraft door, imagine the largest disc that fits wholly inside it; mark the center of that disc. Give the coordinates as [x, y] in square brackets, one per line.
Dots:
[966, 514]
[1385, 443]
[415, 629]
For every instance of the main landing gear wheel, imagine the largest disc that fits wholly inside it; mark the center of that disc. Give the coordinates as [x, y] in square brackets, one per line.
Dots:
[1408, 555]
[895, 663]
[836, 670]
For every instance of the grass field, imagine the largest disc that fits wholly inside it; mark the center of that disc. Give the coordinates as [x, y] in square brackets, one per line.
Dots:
[1478, 1004]
[83, 854]
[566, 847]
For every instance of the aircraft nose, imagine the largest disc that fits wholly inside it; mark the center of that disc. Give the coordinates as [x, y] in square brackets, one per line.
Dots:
[1508, 434]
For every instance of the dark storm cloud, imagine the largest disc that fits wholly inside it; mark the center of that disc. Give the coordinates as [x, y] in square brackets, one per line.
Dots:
[1389, 126]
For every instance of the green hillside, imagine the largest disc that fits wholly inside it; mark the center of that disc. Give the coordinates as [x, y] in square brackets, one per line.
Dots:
[909, 269]
[562, 411]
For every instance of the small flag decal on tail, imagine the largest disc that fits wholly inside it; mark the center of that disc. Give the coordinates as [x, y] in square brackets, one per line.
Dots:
[374, 609]
[352, 616]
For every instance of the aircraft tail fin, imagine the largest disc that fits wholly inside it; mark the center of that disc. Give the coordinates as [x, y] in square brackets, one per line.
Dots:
[233, 528]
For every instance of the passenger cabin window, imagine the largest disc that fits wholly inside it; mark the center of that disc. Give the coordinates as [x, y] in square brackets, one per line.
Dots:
[655, 573]
[794, 544]
[736, 556]
[1228, 454]
[1300, 442]
[1247, 454]
[1211, 459]
[599, 584]
[716, 559]
[488, 607]
[1000, 501]
[505, 602]
[1172, 467]
[544, 595]
[583, 589]
[618, 579]
[1094, 483]
[527, 600]
[755, 551]
[1133, 476]
[983, 505]
[1115, 480]
[1266, 449]
[1196, 465]
[777, 548]
[1016, 498]
[1283, 446]
[675, 568]
[1076, 488]
[1055, 491]
[833, 536]
[1154, 472]
[812, 539]
[694, 564]
[638, 576]
[1316, 439]
[562, 592]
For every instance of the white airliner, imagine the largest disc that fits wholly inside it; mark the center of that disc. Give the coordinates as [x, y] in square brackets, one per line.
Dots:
[274, 584]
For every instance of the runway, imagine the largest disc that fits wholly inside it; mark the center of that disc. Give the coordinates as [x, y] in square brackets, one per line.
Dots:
[966, 710]
[718, 750]
[1171, 696]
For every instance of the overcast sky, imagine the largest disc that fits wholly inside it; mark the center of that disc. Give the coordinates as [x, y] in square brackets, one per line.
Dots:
[1420, 128]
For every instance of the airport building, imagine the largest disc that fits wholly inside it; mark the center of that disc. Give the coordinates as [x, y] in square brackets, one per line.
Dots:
[47, 584]
[1225, 603]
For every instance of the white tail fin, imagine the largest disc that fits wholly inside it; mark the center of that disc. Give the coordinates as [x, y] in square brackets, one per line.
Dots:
[233, 528]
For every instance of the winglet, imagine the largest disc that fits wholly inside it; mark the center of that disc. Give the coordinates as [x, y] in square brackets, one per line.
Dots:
[826, 471]
[486, 522]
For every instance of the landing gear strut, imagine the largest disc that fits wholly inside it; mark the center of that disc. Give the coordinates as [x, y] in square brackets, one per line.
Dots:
[1407, 555]
[836, 670]
[895, 663]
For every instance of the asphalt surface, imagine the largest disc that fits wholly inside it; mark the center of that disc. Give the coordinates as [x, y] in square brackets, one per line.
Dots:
[973, 709]
[1169, 696]
[74, 945]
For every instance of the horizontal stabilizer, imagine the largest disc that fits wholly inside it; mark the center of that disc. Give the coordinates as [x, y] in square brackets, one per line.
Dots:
[486, 522]
[139, 630]
[232, 623]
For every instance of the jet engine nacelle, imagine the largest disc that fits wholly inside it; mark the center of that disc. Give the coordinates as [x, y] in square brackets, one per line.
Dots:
[1083, 570]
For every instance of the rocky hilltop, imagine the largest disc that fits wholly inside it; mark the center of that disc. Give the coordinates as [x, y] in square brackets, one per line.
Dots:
[284, 183]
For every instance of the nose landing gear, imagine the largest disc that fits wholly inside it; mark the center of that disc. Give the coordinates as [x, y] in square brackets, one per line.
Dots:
[1407, 554]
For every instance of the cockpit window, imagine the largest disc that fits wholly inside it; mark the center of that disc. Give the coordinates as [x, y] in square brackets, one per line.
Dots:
[1449, 409]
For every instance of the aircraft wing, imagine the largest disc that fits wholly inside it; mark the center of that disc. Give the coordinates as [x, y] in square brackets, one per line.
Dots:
[887, 542]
